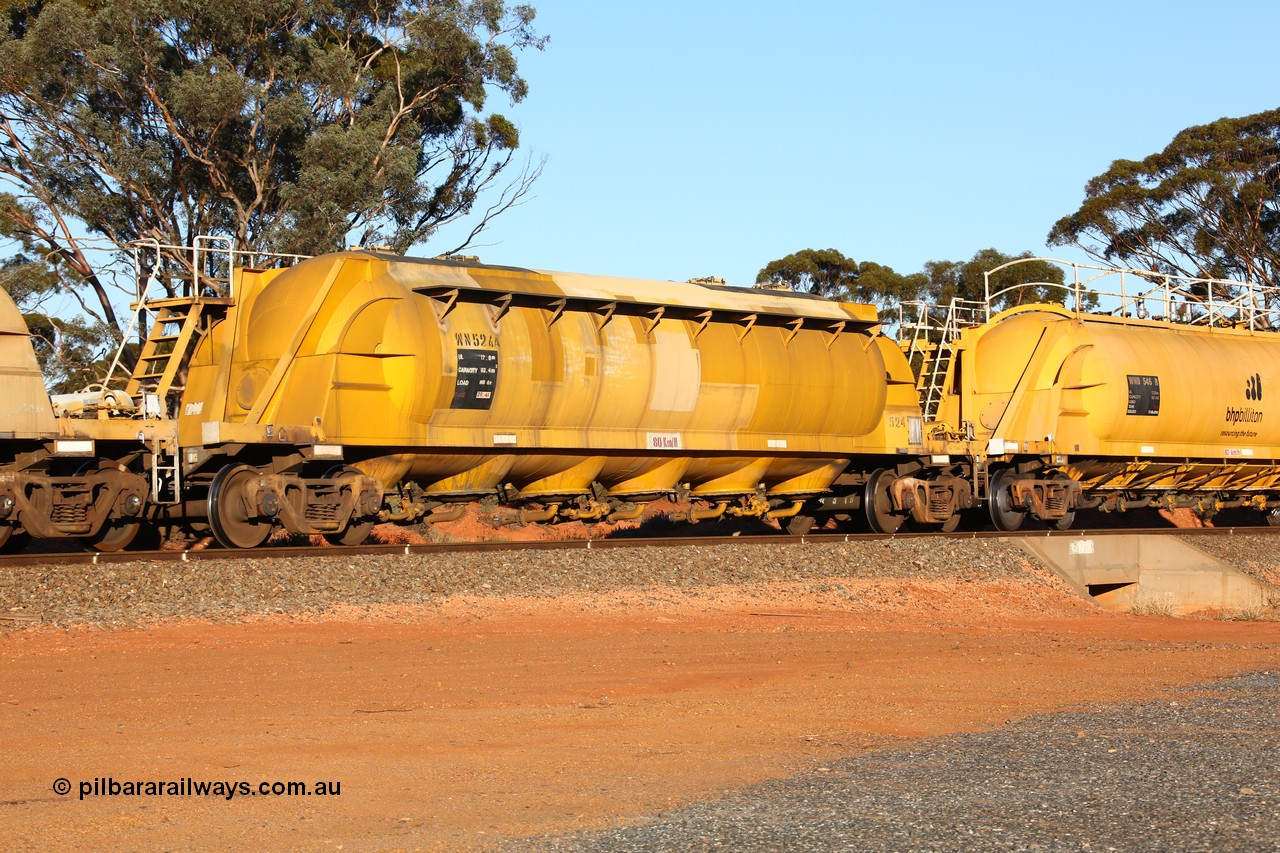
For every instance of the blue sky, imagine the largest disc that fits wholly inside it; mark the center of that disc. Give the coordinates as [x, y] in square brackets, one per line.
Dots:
[708, 138]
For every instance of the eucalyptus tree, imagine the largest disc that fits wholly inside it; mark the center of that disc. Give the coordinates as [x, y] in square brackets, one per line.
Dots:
[1032, 280]
[1207, 206]
[829, 273]
[288, 125]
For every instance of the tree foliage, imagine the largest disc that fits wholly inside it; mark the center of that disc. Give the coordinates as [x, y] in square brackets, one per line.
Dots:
[1018, 284]
[285, 124]
[827, 272]
[1208, 205]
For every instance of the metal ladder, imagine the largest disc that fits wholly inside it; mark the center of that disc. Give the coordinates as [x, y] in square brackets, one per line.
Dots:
[981, 478]
[933, 340]
[175, 325]
[166, 469]
[175, 328]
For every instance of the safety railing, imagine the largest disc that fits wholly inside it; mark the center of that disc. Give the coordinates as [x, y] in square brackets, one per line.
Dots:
[203, 269]
[1147, 295]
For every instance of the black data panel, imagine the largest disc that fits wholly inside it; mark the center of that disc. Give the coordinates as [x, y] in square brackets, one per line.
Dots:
[1144, 395]
[477, 379]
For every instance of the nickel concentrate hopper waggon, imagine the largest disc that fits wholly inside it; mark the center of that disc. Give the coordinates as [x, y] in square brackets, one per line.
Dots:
[1156, 393]
[361, 387]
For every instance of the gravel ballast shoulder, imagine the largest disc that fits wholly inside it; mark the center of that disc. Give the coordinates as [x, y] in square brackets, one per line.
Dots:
[135, 593]
[1195, 770]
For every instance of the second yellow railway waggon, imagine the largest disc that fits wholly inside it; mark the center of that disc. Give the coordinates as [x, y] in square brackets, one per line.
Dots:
[1160, 402]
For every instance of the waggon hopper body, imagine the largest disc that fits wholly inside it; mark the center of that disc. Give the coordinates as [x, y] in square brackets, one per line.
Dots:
[23, 400]
[1109, 387]
[568, 395]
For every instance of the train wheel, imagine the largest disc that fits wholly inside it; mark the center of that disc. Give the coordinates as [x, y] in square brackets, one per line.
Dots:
[12, 541]
[878, 504]
[358, 529]
[112, 537]
[355, 534]
[234, 523]
[951, 525]
[1004, 515]
[1273, 517]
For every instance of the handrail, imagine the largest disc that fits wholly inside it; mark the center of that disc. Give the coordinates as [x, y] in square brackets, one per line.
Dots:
[209, 262]
[1160, 297]
[206, 270]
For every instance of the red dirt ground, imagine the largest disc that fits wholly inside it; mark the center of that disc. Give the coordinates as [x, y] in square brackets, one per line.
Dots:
[458, 725]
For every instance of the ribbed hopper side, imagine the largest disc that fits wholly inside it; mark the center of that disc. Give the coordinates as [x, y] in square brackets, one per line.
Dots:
[24, 404]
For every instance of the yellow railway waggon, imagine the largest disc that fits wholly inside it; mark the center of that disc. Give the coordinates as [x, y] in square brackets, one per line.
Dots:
[52, 484]
[1161, 401]
[408, 385]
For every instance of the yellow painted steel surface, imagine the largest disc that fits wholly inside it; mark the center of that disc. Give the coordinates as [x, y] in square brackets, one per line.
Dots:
[1044, 380]
[465, 377]
[25, 411]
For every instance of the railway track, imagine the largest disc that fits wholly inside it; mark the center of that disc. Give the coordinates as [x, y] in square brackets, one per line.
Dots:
[295, 552]
[140, 588]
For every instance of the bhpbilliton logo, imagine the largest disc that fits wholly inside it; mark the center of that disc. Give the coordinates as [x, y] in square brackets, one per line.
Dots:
[1253, 388]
